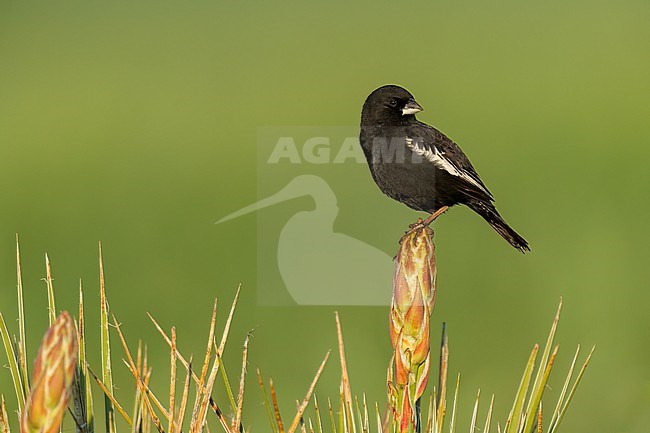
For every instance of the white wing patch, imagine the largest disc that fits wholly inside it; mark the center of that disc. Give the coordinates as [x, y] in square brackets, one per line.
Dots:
[438, 159]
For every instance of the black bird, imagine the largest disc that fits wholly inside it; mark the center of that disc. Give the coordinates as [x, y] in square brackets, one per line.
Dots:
[418, 165]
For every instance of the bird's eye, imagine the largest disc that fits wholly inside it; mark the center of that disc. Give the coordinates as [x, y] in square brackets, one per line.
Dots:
[392, 102]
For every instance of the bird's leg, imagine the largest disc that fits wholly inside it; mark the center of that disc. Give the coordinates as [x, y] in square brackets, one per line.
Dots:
[420, 223]
[435, 215]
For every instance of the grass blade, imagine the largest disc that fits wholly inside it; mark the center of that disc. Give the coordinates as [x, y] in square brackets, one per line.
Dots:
[226, 384]
[107, 372]
[206, 364]
[302, 420]
[319, 421]
[133, 368]
[152, 415]
[452, 423]
[572, 392]
[50, 290]
[184, 398]
[14, 368]
[345, 379]
[222, 345]
[208, 351]
[137, 411]
[536, 393]
[435, 424]
[113, 401]
[305, 402]
[172, 381]
[331, 413]
[22, 351]
[541, 377]
[472, 425]
[442, 379]
[512, 424]
[565, 387]
[488, 418]
[240, 396]
[276, 408]
[81, 391]
[226, 329]
[366, 423]
[547, 350]
[199, 418]
[379, 422]
[267, 404]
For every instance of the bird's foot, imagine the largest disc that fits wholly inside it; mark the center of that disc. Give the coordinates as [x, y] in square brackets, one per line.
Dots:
[420, 223]
[416, 225]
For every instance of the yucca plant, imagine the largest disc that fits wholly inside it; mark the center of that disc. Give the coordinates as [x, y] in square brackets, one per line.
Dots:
[414, 292]
[62, 375]
[190, 407]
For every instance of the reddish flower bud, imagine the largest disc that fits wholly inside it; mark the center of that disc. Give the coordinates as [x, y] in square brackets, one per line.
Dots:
[414, 291]
[53, 374]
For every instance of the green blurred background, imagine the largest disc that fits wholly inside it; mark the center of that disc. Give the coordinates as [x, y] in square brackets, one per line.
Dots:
[135, 123]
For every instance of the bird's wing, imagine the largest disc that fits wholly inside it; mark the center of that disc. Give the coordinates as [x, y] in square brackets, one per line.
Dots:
[441, 151]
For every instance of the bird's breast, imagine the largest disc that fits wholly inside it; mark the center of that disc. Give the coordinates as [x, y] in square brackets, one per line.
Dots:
[406, 176]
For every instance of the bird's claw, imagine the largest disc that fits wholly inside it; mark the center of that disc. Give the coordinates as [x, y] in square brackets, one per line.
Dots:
[418, 225]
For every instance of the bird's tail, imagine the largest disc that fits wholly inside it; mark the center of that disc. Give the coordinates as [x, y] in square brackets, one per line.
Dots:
[490, 214]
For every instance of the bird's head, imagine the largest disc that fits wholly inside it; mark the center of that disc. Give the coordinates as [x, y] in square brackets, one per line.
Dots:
[389, 105]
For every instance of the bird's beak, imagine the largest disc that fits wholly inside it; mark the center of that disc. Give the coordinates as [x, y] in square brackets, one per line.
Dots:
[411, 107]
